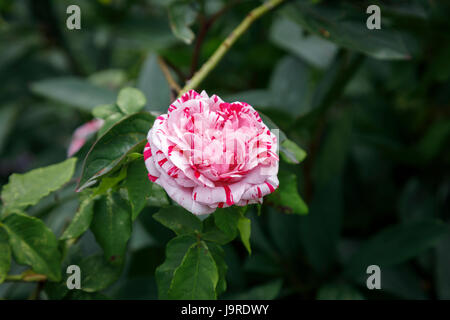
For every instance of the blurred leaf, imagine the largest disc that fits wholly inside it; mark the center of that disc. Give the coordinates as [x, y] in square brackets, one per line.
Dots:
[258, 98]
[104, 111]
[336, 24]
[28, 188]
[334, 150]
[289, 86]
[290, 36]
[291, 152]
[178, 220]
[267, 291]
[182, 15]
[138, 186]
[286, 198]
[197, 276]
[111, 226]
[153, 84]
[442, 278]
[273, 127]
[33, 244]
[125, 137]
[244, 226]
[5, 255]
[131, 100]
[320, 229]
[81, 221]
[401, 281]
[8, 115]
[109, 78]
[339, 291]
[158, 197]
[433, 141]
[97, 274]
[175, 251]
[396, 244]
[74, 92]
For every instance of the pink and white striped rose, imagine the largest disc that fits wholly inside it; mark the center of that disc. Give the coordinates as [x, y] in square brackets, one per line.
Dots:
[207, 153]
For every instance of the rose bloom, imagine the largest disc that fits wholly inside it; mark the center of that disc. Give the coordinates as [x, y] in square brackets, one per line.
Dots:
[210, 154]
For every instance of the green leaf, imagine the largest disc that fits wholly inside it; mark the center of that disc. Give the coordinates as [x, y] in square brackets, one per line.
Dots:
[289, 86]
[5, 255]
[74, 92]
[97, 274]
[33, 244]
[175, 251]
[131, 100]
[334, 151]
[182, 16]
[153, 84]
[291, 152]
[81, 221]
[211, 231]
[267, 291]
[219, 257]
[340, 291]
[158, 197]
[105, 110]
[290, 36]
[286, 198]
[320, 230]
[111, 226]
[273, 127]
[244, 226]
[138, 186]
[196, 277]
[396, 244]
[8, 115]
[27, 189]
[110, 121]
[442, 277]
[125, 137]
[346, 27]
[110, 182]
[227, 220]
[178, 220]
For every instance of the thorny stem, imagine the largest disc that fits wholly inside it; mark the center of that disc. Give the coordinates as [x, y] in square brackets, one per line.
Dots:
[174, 87]
[209, 65]
[205, 26]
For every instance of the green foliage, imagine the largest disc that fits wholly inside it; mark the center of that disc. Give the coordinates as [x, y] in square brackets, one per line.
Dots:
[108, 152]
[97, 273]
[286, 197]
[197, 275]
[138, 186]
[178, 220]
[5, 255]
[396, 244]
[33, 244]
[111, 226]
[27, 189]
[74, 92]
[182, 15]
[131, 100]
[81, 221]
